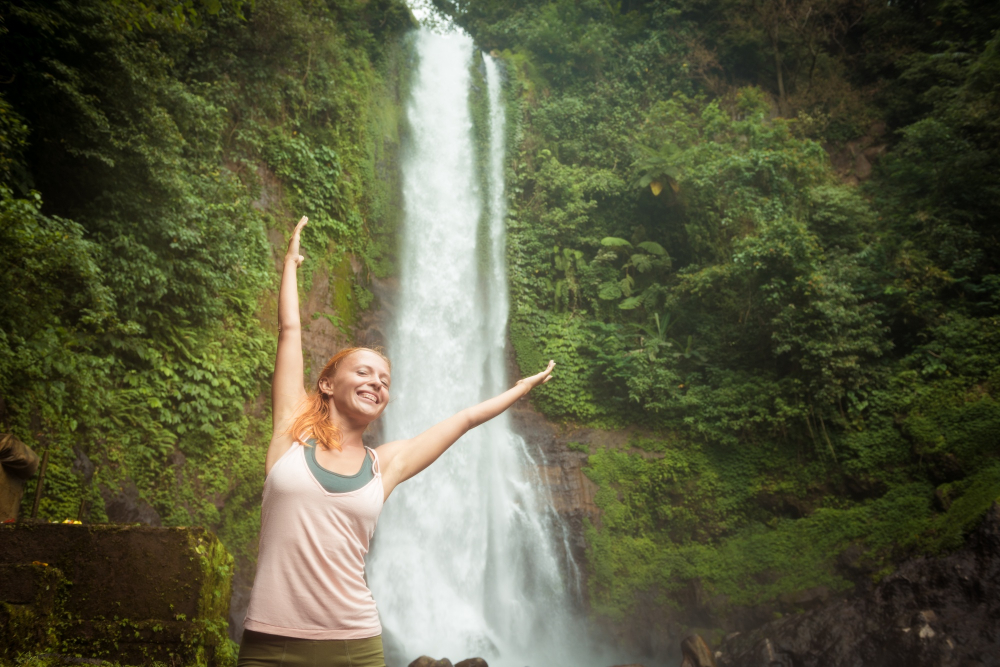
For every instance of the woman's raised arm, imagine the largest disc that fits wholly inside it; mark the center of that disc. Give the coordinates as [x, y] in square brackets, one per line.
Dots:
[287, 386]
[403, 459]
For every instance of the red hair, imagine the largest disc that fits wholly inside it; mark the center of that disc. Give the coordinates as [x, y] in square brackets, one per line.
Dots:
[313, 419]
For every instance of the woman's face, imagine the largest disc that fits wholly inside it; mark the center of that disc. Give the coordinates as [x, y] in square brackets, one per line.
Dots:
[360, 387]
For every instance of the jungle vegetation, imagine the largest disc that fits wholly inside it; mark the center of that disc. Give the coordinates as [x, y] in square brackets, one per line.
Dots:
[758, 235]
[152, 155]
[762, 237]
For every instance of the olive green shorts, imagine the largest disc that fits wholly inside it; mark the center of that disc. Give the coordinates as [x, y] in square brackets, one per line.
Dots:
[262, 650]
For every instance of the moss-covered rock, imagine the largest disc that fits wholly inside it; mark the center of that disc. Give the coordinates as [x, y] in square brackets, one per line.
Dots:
[128, 594]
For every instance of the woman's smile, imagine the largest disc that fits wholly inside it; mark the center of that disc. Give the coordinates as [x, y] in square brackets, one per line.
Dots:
[365, 375]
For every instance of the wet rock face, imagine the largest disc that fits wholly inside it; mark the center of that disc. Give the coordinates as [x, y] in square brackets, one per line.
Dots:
[561, 469]
[696, 653]
[932, 612]
[124, 505]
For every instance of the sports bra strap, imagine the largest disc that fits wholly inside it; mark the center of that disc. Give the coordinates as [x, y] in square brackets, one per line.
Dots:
[376, 466]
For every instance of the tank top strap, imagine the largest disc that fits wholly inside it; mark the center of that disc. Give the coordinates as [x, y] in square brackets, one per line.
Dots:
[376, 466]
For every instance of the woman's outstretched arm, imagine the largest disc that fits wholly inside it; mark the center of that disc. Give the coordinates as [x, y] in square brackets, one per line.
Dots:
[287, 390]
[403, 459]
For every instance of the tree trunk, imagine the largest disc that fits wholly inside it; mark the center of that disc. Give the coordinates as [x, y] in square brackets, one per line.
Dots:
[781, 78]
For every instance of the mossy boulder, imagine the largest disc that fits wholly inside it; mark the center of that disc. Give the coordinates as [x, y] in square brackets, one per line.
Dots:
[133, 595]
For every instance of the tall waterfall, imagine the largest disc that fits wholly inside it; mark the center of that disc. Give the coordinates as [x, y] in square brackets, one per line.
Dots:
[465, 562]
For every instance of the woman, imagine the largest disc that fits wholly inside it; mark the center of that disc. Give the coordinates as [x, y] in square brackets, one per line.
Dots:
[323, 493]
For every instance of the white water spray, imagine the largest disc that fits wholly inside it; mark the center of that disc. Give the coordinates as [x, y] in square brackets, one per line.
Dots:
[464, 562]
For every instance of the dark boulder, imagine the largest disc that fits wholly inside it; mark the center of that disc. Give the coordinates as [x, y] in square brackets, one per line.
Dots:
[427, 661]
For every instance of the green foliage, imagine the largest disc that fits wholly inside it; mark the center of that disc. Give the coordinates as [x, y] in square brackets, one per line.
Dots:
[139, 15]
[148, 167]
[812, 361]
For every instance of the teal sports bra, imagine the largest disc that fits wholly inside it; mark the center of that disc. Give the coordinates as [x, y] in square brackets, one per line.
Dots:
[334, 482]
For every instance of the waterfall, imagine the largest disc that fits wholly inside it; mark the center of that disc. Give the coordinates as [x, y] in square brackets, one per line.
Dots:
[465, 560]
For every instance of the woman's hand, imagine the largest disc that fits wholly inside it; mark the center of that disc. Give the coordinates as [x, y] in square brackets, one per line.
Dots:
[539, 378]
[405, 458]
[293, 245]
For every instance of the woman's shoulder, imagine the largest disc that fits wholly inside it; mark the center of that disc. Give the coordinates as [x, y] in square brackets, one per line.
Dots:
[278, 451]
[387, 451]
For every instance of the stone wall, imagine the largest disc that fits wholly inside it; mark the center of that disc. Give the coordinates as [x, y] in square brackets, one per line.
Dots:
[128, 594]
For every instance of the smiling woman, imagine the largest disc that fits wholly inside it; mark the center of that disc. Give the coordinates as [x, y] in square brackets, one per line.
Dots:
[357, 375]
[324, 492]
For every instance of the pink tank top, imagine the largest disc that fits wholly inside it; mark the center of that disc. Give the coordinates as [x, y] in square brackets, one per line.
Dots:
[310, 580]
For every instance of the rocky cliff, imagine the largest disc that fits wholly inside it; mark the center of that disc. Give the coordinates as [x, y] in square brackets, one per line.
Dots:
[931, 612]
[560, 468]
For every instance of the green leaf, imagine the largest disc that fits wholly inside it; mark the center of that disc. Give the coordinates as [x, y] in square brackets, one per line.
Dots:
[642, 263]
[615, 242]
[610, 291]
[653, 248]
[630, 303]
[626, 284]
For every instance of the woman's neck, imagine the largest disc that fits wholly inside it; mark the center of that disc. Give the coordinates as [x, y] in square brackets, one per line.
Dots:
[350, 431]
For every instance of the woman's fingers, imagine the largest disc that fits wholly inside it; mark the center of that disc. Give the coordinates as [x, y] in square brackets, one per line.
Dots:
[298, 232]
[293, 243]
[539, 378]
[546, 375]
[302, 223]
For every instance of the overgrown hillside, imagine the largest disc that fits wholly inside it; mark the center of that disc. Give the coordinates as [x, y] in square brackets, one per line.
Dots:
[153, 159]
[762, 237]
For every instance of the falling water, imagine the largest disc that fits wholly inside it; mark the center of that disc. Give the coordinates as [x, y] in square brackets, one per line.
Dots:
[465, 562]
